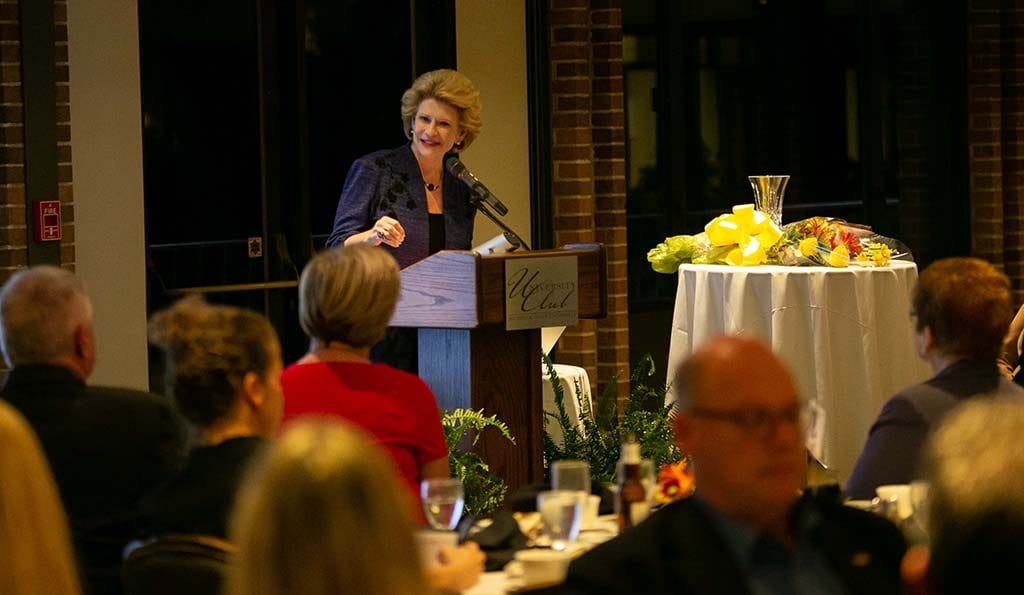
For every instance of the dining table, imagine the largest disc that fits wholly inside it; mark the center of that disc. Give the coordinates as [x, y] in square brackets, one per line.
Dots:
[846, 335]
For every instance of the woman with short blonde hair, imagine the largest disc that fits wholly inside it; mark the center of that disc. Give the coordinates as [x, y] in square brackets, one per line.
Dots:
[348, 296]
[35, 546]
[320, 515]
[451, 87]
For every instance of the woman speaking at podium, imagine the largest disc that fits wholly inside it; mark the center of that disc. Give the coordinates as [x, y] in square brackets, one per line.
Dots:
[404, 200]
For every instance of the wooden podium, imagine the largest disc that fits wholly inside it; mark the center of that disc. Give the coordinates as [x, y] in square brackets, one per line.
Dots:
[457, 301]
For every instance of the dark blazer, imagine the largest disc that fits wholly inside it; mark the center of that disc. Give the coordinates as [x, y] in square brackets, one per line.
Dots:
[200, 498]
[107, 447]
[678, 550]
[897, 437]
[389, 183]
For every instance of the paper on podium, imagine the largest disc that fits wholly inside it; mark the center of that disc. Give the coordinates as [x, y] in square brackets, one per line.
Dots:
[549, 336]
[499, 244]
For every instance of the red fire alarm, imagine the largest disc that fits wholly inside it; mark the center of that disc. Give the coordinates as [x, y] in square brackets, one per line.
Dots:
[47, 220]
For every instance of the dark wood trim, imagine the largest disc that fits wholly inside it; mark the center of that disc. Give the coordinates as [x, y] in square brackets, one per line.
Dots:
[671, 124]
[538, 91]
[870, 118]
[432, 27]
[39, 94]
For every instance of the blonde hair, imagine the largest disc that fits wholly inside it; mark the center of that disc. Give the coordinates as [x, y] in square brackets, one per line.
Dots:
[348, 294]
[451, 87]
[34, 544]
[209, 349]
[323, 514]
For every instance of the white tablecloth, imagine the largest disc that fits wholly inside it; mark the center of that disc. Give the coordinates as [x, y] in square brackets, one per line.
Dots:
[845, 333]
[575, 384]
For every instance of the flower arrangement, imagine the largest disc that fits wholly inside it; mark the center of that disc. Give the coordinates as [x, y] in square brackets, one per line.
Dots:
[747, 237]
[675, 481]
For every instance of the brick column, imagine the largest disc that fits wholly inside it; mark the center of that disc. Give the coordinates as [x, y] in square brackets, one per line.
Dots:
[14, 230]
[995, 122]
[13, 248]
[589, 179]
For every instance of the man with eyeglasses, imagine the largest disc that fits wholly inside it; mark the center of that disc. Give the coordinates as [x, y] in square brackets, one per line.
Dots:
[747, 529]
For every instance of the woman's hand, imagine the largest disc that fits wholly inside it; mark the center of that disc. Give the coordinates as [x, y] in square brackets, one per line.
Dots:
[387, 231]
[459, 568]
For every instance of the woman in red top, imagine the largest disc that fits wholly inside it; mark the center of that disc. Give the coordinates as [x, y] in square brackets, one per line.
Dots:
[346, 298]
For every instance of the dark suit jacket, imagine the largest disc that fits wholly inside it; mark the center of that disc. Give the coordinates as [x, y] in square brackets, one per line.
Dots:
[678, 550]
[897, 437]
[107, 447]
[200, 498]
[389, 183]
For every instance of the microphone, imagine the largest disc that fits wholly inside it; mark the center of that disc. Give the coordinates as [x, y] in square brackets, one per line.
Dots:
[459, 170]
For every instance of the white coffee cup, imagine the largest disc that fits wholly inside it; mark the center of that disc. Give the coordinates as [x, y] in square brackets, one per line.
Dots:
[542, 567]
[430, 542]
[590, 511]
[901, 494]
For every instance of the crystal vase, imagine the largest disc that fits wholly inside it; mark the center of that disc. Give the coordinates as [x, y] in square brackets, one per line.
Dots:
[768, 192]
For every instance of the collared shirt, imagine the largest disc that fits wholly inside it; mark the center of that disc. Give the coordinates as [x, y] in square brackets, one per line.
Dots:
[769, 566]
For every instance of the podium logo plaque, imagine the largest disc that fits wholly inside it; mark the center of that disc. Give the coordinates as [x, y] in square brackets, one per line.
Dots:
[541, 292]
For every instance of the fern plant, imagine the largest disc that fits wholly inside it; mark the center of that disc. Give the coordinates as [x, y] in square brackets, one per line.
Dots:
[484, 491]
[604, 429]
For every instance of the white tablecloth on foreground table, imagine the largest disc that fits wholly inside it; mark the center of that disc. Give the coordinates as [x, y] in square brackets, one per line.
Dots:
[846, 335]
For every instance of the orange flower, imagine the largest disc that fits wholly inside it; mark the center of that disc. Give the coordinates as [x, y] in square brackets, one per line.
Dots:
[675, 481]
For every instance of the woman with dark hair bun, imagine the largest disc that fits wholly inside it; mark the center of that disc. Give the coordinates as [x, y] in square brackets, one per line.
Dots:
[224, 372]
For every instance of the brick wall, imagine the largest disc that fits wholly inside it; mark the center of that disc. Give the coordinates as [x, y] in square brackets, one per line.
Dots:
[65, 193]
[589, 169]
[995, 124]
[14, 230]
[13, 249]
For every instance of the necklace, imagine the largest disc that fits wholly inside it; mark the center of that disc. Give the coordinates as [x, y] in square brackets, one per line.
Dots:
[431, 187]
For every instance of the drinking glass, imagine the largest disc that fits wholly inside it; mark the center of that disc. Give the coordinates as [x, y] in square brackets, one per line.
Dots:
[570, 476]
[649, 478]
[768, 192]
[561, 512]
[443, 500]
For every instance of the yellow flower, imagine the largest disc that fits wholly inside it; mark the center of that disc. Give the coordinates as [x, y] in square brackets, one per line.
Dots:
[840, 257]
[809, 246]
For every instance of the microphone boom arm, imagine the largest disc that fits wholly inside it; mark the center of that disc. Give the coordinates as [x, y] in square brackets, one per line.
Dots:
[510, 235]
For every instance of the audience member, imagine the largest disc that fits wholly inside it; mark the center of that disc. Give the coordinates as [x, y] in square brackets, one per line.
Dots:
[962, 309]
[1009, 358]
[346, 298]
[747, 530]
[34, 543]
[224, 372]
[108, 447]
[323, 514]
[974, 463]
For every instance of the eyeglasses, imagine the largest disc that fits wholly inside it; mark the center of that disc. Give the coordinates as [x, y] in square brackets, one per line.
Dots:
[757, 421]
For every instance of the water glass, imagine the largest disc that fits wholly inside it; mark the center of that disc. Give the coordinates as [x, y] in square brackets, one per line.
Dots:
[649, 478]
[570, 476]
[443, 500]
[562, 513]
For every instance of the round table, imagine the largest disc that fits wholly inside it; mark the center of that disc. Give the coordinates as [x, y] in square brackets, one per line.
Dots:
[845, 334]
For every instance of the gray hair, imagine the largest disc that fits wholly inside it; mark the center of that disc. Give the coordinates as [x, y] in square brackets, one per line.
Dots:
[975, 463]
[39, 310]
